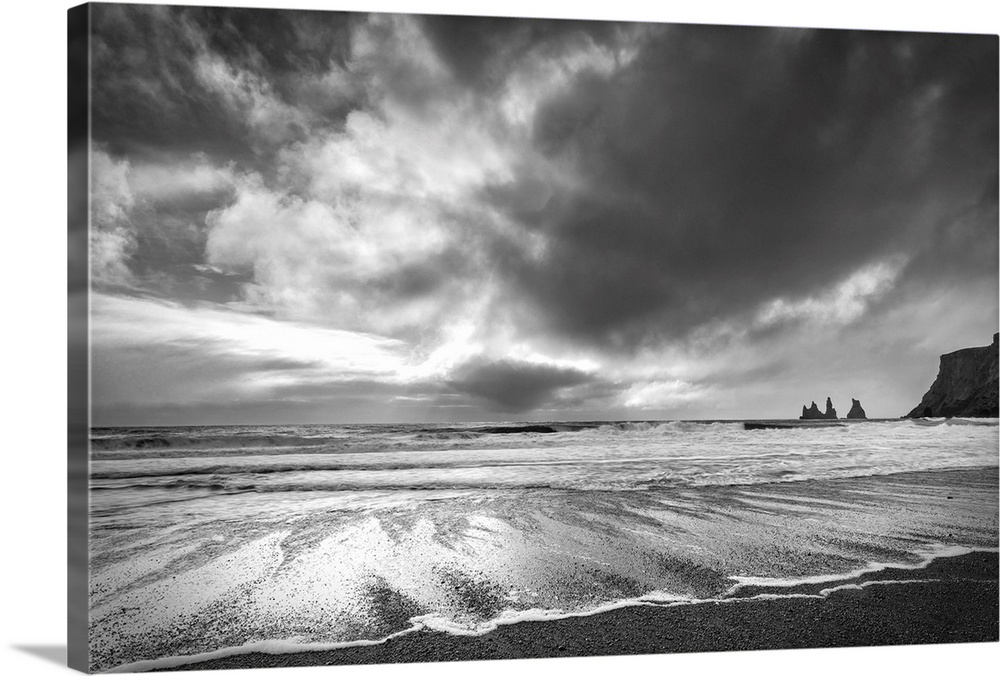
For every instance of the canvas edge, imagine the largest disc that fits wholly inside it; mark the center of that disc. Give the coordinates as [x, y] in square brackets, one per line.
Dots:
[78, 365]
[78, 350]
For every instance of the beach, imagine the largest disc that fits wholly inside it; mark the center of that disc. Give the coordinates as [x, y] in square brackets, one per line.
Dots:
[215, 548]
[953, 600]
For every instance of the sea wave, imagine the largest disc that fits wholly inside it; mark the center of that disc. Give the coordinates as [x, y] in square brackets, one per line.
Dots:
[955, 422]
[175, 440]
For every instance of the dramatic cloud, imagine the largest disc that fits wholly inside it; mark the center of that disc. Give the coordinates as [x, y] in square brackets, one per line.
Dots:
[176, 355]
[515, 386]
[767, 165]
[845, 303]
[542, 218]
[112, 235]
[658, 395]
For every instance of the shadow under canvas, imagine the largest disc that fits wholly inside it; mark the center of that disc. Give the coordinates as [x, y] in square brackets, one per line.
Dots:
[49, 653]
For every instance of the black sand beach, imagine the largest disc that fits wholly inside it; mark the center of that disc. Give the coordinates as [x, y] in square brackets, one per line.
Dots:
[953, 600]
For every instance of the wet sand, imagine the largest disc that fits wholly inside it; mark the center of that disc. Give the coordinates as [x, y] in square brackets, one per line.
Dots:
[953, 600]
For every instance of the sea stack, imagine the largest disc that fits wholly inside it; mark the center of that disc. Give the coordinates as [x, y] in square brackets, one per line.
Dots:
[831, 412]
[856, 412]
[966, 385]
[813, 412]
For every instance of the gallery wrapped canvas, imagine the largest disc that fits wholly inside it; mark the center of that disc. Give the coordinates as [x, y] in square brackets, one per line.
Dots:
[421, 338]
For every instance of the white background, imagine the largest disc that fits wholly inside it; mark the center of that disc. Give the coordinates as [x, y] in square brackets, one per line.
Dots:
[33, 321]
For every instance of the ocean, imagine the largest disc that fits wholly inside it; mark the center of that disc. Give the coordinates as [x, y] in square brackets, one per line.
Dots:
[209, 541]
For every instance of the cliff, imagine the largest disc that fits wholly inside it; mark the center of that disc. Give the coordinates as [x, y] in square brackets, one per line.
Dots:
[856, 412]
[966, 385]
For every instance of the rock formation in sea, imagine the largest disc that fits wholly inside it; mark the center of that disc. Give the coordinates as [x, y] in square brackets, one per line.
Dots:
[813, 412]
[856, 412]
[965, 387]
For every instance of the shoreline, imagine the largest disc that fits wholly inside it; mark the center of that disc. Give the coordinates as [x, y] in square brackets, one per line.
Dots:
[951, 600]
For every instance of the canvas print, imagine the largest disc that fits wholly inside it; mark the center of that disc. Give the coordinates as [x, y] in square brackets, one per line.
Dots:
[417, 338]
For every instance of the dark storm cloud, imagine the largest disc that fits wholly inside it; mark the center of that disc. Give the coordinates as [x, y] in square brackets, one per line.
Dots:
[150, 98]
[515, 385]
[415, 280]
[277, 41]
[479, 50]
[961, 245]
[727, 166]
[145, 95]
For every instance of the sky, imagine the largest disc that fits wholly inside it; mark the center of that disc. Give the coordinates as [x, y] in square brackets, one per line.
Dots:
[343, 217]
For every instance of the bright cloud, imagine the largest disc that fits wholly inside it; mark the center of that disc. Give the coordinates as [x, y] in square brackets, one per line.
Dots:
[843, 304]
[180, 181]
[243, 354]
[669, 394]
[383, 224]
[122, 321]
[112, 235]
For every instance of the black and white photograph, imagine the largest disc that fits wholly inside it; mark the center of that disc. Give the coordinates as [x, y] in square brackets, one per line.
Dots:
[413, 337]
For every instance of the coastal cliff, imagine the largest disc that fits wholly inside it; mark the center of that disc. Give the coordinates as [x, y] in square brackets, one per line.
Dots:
[966, 385]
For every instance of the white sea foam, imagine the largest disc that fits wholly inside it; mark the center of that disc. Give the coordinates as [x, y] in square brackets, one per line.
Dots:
[873, 583]
[927, 556]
